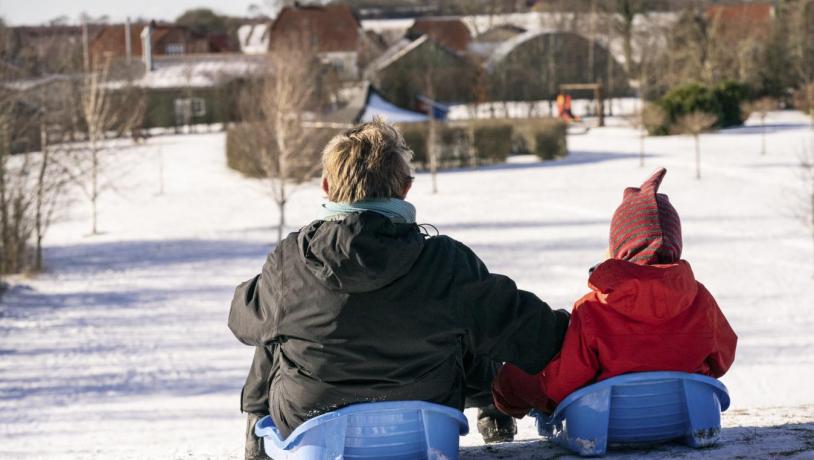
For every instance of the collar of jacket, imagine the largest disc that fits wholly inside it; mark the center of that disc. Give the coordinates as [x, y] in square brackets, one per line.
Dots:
[398, 211]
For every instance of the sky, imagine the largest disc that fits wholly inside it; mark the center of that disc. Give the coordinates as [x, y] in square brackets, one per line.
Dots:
[31, 12]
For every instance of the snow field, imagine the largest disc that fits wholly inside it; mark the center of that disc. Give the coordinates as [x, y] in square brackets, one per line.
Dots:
[120, 350]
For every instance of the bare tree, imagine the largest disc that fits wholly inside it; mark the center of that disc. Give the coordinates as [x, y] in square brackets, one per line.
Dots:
[50, 183]
[649, 117]
[15, 201]
[432, 150]
[30, 188]
[96, 111]
[276, 107]
[128, 110]
[15, 196]
[761, 108]
[804, 100]
[694, 124]
[30, 184]
[801, 40]
[628, 10]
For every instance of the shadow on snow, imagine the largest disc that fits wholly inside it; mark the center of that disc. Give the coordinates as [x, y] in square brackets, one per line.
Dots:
[736, 442]
[90, 258]
[769, 128]
[573, 158]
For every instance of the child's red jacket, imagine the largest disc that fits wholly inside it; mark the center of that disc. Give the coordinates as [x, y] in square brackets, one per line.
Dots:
[637, 318]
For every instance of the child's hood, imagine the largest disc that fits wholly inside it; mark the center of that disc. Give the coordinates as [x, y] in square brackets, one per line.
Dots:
[648, 293]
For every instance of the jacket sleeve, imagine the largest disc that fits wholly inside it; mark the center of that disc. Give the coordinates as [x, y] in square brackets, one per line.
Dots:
[503, 322]
[515, 393]
[725, 342]
[575, 366]
[251, 318]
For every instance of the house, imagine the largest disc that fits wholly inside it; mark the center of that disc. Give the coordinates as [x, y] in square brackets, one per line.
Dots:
[123, 40]
[484, 44]
[741, 20]
[500, 33]
[332, 31]
[742, 14]
[421, 67]
[520, 68]
[450, 33]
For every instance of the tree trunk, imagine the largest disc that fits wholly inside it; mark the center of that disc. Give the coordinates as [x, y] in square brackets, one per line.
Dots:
[591, 41]
[610, 67]
[472, 151]
[763, 135]
[697, 156]
[627, 41]
[94, 192]
[431, 151]
[38, 223]
[810, 180]
[281, 222]
[5, 150]
[281, 198]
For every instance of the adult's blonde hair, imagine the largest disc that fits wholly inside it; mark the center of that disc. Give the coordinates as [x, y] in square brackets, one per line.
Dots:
[369, 161]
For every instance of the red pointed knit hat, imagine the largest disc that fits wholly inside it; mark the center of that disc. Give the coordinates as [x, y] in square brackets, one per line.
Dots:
[646, 229]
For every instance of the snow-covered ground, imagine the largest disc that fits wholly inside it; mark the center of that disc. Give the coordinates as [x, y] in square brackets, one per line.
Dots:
[121, 349]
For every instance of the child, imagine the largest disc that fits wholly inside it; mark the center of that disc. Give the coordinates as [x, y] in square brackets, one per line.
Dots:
[645, 312]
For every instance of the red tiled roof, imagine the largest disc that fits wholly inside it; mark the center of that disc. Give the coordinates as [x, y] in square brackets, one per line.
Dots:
[451, 33]
[329, 28]
[743, 13]
[111, 39]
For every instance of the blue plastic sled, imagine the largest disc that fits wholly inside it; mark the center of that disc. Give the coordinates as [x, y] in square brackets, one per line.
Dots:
[397, 430]
[639, 408]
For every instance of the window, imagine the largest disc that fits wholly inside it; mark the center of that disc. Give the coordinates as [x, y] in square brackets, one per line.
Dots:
[198, 106]
[174, 48]
[188, 108]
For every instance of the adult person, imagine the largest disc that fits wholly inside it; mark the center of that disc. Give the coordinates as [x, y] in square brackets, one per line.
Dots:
[361, 305]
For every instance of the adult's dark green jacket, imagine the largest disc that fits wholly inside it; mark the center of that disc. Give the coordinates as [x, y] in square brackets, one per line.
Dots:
[363, 309]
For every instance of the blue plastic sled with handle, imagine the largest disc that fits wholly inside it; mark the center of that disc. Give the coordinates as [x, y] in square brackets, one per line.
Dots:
[396, 430]
[639, 408]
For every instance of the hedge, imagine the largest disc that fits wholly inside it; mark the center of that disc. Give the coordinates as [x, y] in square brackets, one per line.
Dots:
[724, 100]
[551, 141]
[544, 137]
[238, 153]
[493, 141]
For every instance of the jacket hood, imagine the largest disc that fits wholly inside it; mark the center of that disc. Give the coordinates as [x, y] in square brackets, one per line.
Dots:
[362, 252]
[650, 294]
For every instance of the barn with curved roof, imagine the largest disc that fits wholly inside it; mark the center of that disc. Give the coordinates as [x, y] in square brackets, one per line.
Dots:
[532, 65]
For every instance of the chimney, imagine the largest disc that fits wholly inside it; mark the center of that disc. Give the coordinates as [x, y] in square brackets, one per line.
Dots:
[147, 46]
[128, 41]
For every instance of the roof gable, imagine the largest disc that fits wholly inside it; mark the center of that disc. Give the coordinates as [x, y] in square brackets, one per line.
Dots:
[451, 33]
[330, 28]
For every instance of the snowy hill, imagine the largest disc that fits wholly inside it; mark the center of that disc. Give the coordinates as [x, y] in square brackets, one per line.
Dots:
[121, 349]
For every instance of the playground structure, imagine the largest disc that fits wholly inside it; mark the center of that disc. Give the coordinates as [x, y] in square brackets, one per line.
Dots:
[599, 101]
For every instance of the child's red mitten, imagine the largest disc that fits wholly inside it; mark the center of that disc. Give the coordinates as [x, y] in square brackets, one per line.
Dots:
[515, 392]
